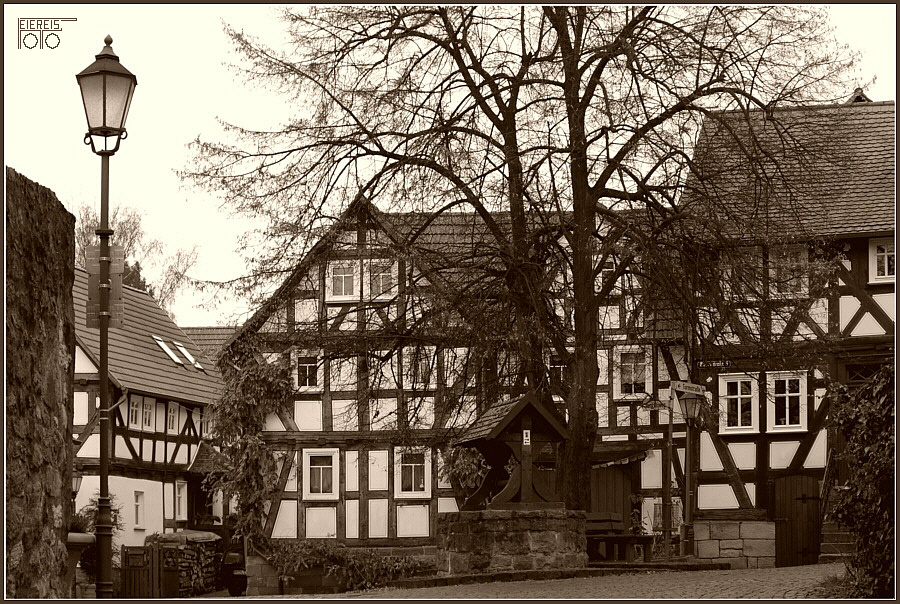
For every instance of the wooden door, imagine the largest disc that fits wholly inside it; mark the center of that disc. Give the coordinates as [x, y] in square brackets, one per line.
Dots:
[796, 520]
[611, 491]
[136, 572]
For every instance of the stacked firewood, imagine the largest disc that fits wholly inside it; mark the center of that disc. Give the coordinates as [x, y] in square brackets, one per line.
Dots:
[198, 565]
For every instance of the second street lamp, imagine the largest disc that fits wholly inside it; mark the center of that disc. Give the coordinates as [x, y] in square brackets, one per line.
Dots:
[690, 408]
[106, 91]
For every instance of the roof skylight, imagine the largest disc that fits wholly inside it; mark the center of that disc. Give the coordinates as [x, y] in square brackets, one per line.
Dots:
[188, 355]
[168, 350]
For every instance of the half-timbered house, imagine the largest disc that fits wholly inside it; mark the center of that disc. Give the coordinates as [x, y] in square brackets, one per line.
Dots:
[817, 307]
[160, 386]
[374, 395]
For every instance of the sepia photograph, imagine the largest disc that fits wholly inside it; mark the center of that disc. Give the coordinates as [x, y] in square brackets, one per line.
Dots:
[514, 302]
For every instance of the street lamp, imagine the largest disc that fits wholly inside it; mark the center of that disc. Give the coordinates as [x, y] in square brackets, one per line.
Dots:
[106, 91]
[690, 409]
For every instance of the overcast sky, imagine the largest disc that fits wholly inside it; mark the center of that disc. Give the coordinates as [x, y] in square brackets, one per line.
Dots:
[177, 53]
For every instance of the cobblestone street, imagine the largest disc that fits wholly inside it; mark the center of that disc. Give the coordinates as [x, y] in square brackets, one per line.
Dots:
[789, 582]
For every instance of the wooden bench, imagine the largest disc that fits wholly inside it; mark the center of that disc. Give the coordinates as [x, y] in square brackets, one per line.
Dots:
[607, 528]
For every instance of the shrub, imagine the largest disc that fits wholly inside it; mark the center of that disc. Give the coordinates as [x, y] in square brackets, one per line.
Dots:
[865, 418]
[85, 519]
[354, 568]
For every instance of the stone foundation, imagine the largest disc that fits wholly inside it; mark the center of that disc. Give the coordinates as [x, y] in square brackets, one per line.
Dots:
[740, 543]
[502, 540]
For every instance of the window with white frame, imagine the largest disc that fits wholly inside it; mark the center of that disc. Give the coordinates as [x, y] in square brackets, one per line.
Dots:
[308, 373]
[180, 501]
[149, 414]
[172, 418]
[557, 370]
[342, 280]
[881, 260]
[138, 509]
[788, 266]
[738, 403]
[420, 363]
[632, 373]
[412, 473]
[786, 399]
[135, 405]
[320, 474]
[381, 279]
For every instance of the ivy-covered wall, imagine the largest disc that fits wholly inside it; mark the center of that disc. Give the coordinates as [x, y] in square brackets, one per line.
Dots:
[40, 353]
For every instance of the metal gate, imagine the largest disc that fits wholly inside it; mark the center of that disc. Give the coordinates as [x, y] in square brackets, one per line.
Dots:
[797, 528]
[150, 571]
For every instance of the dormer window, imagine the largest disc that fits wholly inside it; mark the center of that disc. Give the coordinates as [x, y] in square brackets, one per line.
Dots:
[188, 355]
[882, 266]
[168, 351]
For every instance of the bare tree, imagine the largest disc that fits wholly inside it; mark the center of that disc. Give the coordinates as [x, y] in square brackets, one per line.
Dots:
[578, 123]
[140, 252]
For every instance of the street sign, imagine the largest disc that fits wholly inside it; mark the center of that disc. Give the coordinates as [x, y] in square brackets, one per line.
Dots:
[116, 302]
[116, 259]
[687, 387]
[710, 364]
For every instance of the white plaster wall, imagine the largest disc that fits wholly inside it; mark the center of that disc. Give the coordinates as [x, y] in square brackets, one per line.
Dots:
[81, 408]
[121, 491]
[307, 416]
[744, 455]
[651, 470]
[887, 304]
[716, 497]
[321, 522]
[817, 454]
[709, 459]
[378, 470]
[781, 453]
[351, 463]
[848, 307]
[286, 520]
[868, 326]
[273, 424]
[343, 415]
[351, 511]
[447, 504]
[82, 363]
[412, 520]
[378, 518]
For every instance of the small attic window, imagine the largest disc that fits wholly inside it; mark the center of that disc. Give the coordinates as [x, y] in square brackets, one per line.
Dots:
[188, 355]
[168, 350]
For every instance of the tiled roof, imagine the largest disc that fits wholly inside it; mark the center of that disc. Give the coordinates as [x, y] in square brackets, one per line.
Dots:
[210, 339]
[495, 420]
[208, 460]
[830, 169]
[136, 361]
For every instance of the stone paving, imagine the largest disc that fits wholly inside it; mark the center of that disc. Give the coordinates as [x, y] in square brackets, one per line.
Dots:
[769, 583]
[794, 582]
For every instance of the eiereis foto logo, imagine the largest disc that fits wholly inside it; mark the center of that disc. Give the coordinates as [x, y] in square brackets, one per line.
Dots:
[40, 33]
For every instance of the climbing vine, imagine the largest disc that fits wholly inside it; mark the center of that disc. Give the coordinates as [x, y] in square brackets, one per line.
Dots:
[253, 389]
[865, 418]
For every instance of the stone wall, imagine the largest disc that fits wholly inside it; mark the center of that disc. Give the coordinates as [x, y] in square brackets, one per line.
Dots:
[40, 353]
[740, 543]
[500, 540]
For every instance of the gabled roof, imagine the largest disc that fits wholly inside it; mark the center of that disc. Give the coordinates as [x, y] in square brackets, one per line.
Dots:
[211, 339]
[829, 169]
[136, 361]
[495, 420]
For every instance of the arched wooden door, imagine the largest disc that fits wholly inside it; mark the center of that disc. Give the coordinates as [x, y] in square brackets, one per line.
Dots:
[796, 520]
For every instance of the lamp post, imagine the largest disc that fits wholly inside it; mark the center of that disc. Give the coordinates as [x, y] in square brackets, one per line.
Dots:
[106, 91]
[690, 408]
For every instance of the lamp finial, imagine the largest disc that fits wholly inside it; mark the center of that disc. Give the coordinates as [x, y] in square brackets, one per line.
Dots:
[108, 39]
